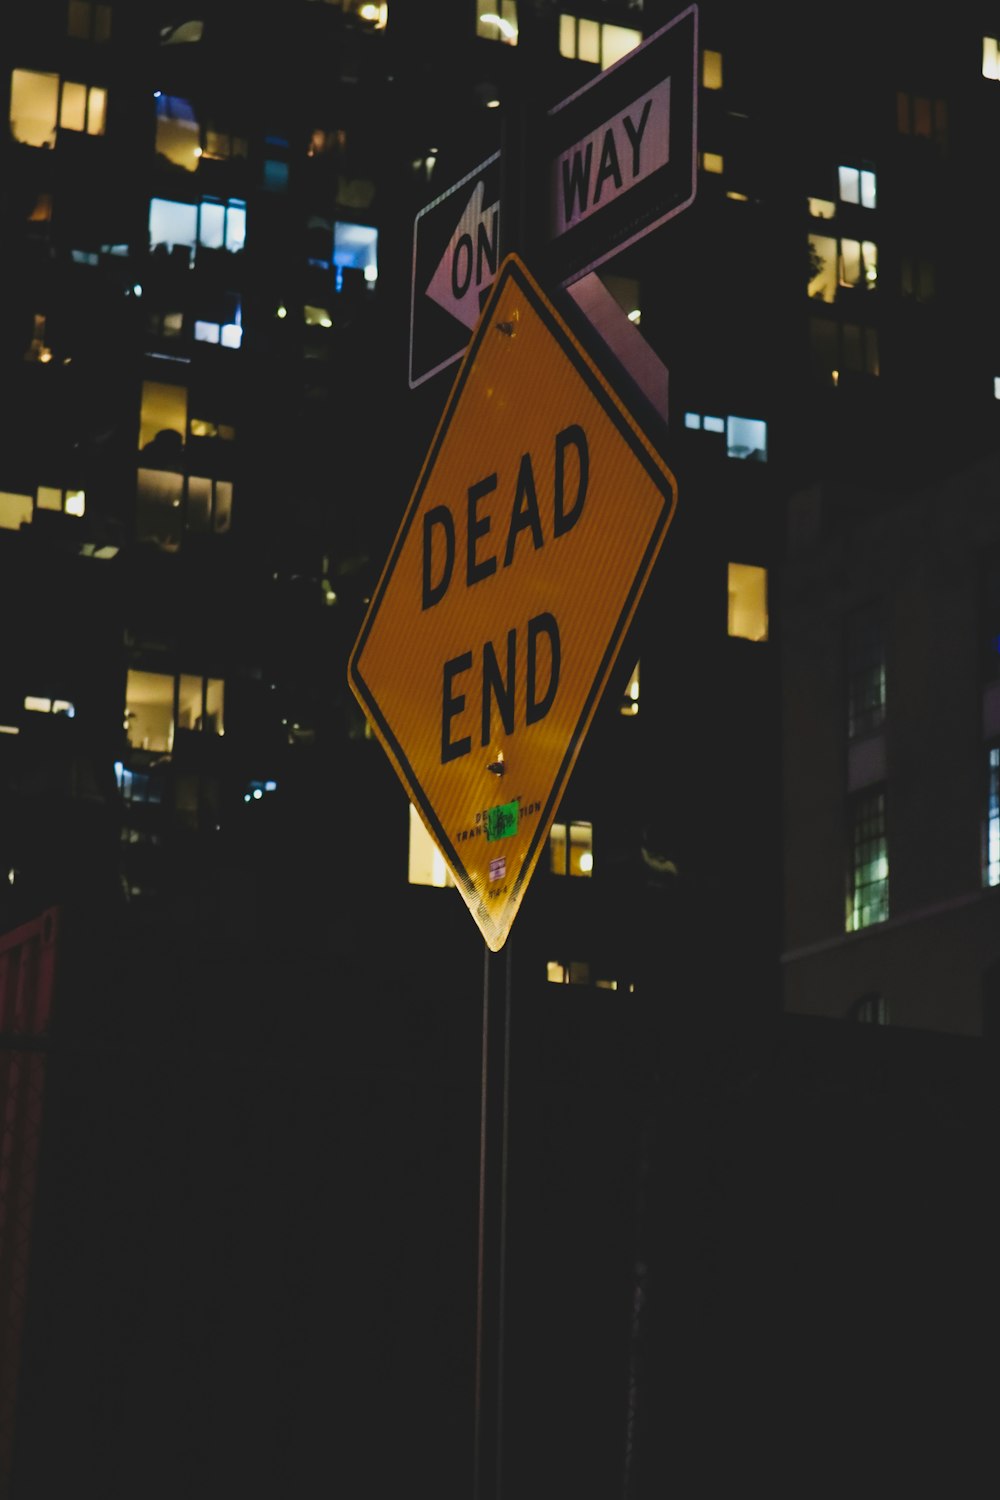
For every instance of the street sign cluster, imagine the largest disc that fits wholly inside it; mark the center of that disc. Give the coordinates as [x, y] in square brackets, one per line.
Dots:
[518, 567]
[541, 506]
[620, 160]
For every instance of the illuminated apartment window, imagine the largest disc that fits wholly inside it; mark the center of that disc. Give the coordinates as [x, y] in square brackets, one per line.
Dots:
[630, 698]
[991, 831]
[163, 415]
[840, 263]
[571, 849]
[866, 677]
[919, 116]
[991, 58]
[712, 162]
[178, 134]
[223, 323]
[746, 437]
[497, 22]
[426, 862]
[822, 208]
[868, 871]
[38, 351]
[61, 706]
[159, 703]
[857, 185]
[355, 252]
[213, 223]
[916, 279]
[15, 510]
[165, 425]
[70, 502]
[220, 144]
[568, 971]
[373, 15]
[42, 103]
[747, 602]
[595, 41]
[170, 503]
[711, 69]
[88, 22]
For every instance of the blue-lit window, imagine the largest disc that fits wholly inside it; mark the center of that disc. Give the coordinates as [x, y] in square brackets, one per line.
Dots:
[746, 437]
[355, 250]
[214, 223]
[868, 868]
[991, 861]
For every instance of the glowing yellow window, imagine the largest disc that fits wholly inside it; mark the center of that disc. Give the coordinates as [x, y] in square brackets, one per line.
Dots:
[571, 849]
[711, 69]
[747, 601]
[426, 862]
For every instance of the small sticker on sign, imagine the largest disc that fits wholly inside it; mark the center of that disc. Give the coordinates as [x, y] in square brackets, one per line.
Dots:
[498, 869]
[501, 822]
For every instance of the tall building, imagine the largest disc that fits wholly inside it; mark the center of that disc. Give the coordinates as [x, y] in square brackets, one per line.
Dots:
[787, 807]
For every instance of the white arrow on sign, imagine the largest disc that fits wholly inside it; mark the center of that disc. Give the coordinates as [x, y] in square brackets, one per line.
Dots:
[469, 263]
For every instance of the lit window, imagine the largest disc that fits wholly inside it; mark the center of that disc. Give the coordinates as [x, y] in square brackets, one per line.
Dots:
[60, 706]
[498, 22]
[571, 971]
[214, 224]
[714, 424]
[426, 862]
[596, 41]
[868, 872]
[746, 437]
[41, 101]
[15, 510]
[169, 503]
[163, 416]
[840, 263]
[630, 698]
[857, 185]
[711, 69]
[991, 58]
[571, 849]
[866, 678]
[692, 419]
[747, 602]
[711, 161]
[822, 208]
[991, 852]
[355, 250]
[178, 134]
[158, 703]
[71, 502]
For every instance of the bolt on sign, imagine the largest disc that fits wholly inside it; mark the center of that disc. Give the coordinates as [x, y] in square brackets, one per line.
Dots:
[537, 517]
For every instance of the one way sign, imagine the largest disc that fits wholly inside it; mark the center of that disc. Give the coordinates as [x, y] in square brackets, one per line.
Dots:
[623, 151]
[456, 252]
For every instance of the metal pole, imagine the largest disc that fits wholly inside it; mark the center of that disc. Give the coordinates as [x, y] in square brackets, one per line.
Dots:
[492, 1232]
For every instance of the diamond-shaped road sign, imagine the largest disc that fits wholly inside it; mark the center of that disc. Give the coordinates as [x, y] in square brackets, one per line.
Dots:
[517, 569]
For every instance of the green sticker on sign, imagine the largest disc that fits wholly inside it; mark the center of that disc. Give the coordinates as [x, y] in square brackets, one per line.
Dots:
[501, 822]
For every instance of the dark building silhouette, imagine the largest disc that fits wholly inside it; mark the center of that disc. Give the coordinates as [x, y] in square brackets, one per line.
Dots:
[754, 980]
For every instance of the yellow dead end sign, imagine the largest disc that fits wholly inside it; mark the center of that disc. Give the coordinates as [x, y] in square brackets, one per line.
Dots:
[530, 536]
